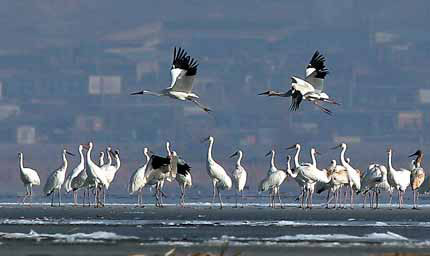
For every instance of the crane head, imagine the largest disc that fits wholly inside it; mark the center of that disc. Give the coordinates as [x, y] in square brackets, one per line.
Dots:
[418, 153]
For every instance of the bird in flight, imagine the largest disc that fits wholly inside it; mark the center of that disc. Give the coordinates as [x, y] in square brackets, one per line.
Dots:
[310, 89]
[183, 71]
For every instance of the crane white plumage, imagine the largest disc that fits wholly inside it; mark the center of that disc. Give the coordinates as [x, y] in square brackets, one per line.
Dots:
[239, 175]
[96, 176]
[372, 181]
[56, 179]
[28, 176]
[417, 176]
[272, 183]
[311, 175]
[183, 71]
[353, 175]
[137, 179]
[338, 178]
[219, 177]
[75, 175]
[296, 175]
[398, 179]
[111, 170]
[311, 88]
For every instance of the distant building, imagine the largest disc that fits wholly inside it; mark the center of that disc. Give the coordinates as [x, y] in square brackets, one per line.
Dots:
[26, 135]
[104, 85]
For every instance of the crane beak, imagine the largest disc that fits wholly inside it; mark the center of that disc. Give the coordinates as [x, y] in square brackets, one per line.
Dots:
[86, 146]
[268, 154]
[234, 154]
[414, 154]
[291, 147]
[338, 146]
[67, 152]
[137, 93]
[265, 93]
[317, 152]
[204, 140]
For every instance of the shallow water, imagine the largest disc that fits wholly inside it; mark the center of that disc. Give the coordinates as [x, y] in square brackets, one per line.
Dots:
[252, 230]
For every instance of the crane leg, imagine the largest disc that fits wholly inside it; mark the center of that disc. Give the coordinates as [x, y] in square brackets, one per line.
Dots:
[235, 197]
[219, 197]
[391, 199]
[241, 199]
[52, 199]
[279, 198]
[352, 199]
[214, 192]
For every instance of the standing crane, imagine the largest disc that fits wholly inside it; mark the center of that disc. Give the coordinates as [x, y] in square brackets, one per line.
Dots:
[29, 177]
[56, 179]
[219, 177]
[417, 176]
[353, 175]
[136, 184]
[398, 179]
[239, 175]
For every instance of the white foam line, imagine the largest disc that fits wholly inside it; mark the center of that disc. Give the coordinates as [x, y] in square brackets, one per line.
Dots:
[69, 238]
[219, 223]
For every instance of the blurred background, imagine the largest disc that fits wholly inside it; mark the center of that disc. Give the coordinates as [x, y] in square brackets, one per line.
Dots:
[67, 69]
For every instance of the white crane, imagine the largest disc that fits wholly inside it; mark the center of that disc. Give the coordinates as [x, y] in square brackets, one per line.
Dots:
[75, 175]
[353, 175]
[111, 170]
[273, 182]
[56, 179]
[183, 71]
[312, 175]
[136, 183]
[96, 176]
[311, 88]
[417, 176]
[398, 179]
[28, 176]
[239, 175]
[219, 177]
[373, 180]
[296, 175]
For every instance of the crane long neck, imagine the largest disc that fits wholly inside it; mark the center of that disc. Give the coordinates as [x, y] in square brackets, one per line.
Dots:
[314, 161]
[210, 151]
[89, 161]
[147, 157]
[272, 160]
[21, 163]
[81, 157]
[109, 158]
[118, 162]
[390, 166]
[342, 156]
[169, 152]
[296, 157]
[64, 162]
[239, 159]
[418, 160]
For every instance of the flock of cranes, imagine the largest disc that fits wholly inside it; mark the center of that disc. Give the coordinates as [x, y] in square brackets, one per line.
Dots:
[89, 176]
[97, 177]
